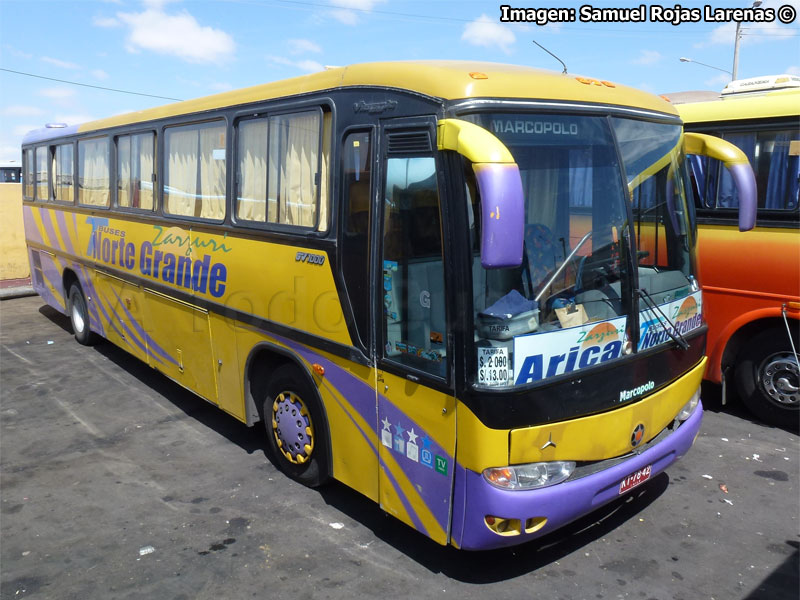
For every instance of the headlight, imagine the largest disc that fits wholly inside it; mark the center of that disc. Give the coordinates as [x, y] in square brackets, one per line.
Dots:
[530, 476]
[689, 407]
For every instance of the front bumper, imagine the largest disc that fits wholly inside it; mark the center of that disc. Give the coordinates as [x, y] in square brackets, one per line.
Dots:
[559, 504]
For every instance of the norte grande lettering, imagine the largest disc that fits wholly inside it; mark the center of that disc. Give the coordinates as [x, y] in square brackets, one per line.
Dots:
[198, 275]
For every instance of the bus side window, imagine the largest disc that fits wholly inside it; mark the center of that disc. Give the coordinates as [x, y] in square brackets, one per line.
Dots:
[63, 170]
[93, 172]
[776, 169]
[41, 173]
[27, 159]
[135, 173]
[356, 186]
[194, 174]
[414, 320]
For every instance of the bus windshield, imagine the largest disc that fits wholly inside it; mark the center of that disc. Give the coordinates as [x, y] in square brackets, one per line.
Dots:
[577, 173]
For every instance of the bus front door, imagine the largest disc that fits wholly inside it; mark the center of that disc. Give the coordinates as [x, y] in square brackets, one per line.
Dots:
[416, 404]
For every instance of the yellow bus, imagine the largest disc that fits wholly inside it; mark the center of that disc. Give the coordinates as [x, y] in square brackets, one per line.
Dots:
[425, 279]
[751, 282]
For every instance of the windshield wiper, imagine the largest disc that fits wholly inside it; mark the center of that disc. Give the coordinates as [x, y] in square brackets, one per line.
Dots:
[561, 267]
[672, 331]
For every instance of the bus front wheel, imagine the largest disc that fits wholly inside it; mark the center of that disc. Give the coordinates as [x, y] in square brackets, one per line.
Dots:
[768, 377]
[79, 316]
[297, 437]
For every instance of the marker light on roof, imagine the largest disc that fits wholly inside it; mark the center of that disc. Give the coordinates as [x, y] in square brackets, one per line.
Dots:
[476, 75]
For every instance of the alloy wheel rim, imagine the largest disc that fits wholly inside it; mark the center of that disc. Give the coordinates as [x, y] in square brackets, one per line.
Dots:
[779, 378]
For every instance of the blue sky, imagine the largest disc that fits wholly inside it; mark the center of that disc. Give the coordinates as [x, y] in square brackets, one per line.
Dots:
[186, 49]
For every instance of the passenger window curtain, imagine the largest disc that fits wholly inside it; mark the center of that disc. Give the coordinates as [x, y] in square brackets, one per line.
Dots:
[124, 170]
[143, 186]
[294, 164]
[180, 181]
[41, 173]
[251, 202]
[324, 170]
[93, 176]
[194, 183]
[212, 173]
[62, 177]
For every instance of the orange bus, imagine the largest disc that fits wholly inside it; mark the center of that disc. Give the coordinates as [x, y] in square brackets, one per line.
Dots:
[751, 282]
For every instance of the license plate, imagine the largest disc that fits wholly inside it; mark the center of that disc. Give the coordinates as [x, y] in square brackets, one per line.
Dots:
[631, 481]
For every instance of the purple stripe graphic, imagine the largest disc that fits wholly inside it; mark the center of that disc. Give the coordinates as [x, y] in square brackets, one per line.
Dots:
[151, 344]
[130, 332]
[62, 227]
[111, 322]
[435, 487]
[42, 289]
[32, 233]
[85, 280]
[53, 276]
[406, 504]
[48, 227]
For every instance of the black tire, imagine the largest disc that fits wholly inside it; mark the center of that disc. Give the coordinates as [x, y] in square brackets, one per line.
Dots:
[79, 316]
[767, 378]
[297, 432]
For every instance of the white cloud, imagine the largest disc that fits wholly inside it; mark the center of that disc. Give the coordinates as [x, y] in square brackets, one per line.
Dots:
[60, 63]
[22, 110]
[221, 86]
[485, 31]
[303, 46]
[310, 66]
[17, 53]
[57, 93]
[176, 35]
[647, 57]
[99, 74]
[107, 22]
[347, 11]
[793, 70]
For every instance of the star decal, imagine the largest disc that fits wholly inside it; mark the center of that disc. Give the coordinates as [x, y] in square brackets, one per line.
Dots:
[386, 424]
[412, 437]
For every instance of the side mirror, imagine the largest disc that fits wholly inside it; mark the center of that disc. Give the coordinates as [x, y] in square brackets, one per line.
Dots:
[500, 186]
[737, 164]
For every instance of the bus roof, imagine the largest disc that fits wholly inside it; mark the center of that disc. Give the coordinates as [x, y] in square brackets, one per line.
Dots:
[448, 80]
[778, 103]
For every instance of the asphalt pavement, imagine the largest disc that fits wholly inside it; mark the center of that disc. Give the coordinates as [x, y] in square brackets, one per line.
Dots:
[117, 483]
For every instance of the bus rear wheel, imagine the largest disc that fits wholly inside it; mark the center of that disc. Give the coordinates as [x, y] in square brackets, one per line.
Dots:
[768, 378]
[79, 316]
[297, 436]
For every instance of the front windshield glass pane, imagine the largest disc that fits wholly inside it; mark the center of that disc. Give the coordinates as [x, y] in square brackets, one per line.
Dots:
[656, 171]
[565, 307]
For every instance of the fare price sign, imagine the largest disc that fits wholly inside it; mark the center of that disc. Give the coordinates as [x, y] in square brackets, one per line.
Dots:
[493, 366]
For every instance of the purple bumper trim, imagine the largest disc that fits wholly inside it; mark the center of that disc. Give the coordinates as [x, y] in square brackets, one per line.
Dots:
[562, 503]
[745, 181]
[503, 214]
